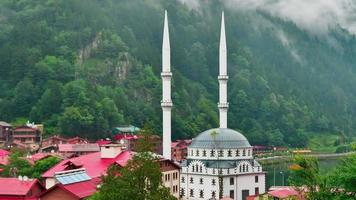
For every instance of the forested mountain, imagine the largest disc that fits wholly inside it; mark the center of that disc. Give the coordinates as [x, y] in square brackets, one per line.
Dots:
[82, 67]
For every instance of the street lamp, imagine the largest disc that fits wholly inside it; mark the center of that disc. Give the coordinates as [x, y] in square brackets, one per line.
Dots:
[282, 178]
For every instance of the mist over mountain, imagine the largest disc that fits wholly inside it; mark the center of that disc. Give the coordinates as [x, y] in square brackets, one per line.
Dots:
[84, 67]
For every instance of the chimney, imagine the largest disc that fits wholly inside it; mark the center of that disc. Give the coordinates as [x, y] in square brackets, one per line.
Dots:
[110, 150]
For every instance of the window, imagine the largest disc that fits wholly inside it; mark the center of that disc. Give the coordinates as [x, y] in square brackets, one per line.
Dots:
[213, 194]
[232, 194]
[191, 180]
[193, 168]
[221, 153]
[240, 168]
[213, 182]
[212, 153]
[237, 153]
[191, 153]
[201, 180]
[183, 179]
[191, 193]
[201, 194]
[248, 152]
[244, 152]
[229, 153]
[246, 168]
[243, 167]
[232, 181]
[169, 177]
[256, 179]
[257, 190]
[197, 152]
[200, 169]
[182, 192]
[204, 153]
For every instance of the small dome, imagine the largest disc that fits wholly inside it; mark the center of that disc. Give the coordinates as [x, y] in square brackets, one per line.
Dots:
[220, 138]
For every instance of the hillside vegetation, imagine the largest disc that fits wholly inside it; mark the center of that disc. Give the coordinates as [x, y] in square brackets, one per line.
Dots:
[86, 66]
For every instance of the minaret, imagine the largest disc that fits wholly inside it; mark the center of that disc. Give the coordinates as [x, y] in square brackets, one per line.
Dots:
[166, 102]
[223, 105]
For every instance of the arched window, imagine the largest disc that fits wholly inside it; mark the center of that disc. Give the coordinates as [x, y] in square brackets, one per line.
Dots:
[204, 153]
[243, 168]
[196, 167]
[201, 181]
[248, 152]
[246, 168]
[192, 153]
[244, 152]
[182, 192]
[183, 179]
[213, 182]
[221, 153]
[212, 153]
[229, 153]
[193, 168]
[237, 153]
[191, 180]
[200, 169]
[201, 194]
[213, 194]
[240, 168]
[197, 152]
[191, 193]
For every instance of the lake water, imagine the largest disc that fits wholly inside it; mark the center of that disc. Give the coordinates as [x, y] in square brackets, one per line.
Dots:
[280, 171]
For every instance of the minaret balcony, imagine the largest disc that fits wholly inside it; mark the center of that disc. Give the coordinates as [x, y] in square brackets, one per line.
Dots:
[165, 103]
[166, 74]
[223, 105]
[223, 77]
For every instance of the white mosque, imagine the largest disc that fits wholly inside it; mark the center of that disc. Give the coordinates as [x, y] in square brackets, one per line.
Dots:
[220, 161]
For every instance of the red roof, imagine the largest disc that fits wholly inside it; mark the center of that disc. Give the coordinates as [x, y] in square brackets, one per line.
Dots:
[81, 189]
[94, 165]
[103, 142]
[13, 186]
[283, 193]
[4, 160]
[90, 147]
[25, 129]
[4, 152]
[126, 137]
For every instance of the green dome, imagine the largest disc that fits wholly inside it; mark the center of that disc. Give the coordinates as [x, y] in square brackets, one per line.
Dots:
[220, 138]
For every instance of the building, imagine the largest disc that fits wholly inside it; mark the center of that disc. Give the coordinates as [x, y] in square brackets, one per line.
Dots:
[72, 185]
[170, 175]
[77, 140]
[5, 133]
[50, 144]
[131, 130]
[20, 189]
[220, 162]
[29, 136]
[130, 141]
[95, 164]
[180, 149]
[73, 150]
[4, 158]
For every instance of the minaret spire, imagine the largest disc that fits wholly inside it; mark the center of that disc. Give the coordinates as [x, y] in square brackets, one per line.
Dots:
[223, 105]
[166, 102]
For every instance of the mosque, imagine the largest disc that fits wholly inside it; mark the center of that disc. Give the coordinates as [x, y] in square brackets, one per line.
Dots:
[220, 161]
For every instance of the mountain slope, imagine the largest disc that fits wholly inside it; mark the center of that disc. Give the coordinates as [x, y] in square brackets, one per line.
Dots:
[86, 67]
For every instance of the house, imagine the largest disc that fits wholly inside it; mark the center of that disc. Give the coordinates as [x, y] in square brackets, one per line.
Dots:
[4, 157]
[77, 140]
[170, 175]
[32, 159]
[95, 164]
[18, 188]
[29, 136]
[179, 149]
[50, 144]
[126, 130]
[70, 150]
[130, 141]
[5, 133]
[285, 193]
[72, 185]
